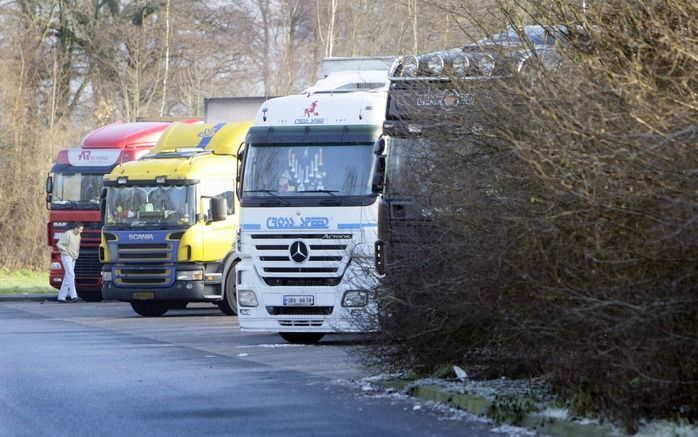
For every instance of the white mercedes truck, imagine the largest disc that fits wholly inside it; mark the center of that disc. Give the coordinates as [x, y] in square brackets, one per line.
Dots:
[308, 220]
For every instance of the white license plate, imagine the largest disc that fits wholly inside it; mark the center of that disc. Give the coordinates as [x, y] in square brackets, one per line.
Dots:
[299, 300]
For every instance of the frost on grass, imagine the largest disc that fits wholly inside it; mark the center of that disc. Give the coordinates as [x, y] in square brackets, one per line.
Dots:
[515, 431]
[667, 429]
[556, 413]
[536, 388]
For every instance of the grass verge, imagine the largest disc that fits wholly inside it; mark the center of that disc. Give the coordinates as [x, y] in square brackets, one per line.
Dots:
[24, 281]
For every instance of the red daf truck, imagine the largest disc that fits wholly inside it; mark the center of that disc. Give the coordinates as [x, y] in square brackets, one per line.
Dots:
[72, 194]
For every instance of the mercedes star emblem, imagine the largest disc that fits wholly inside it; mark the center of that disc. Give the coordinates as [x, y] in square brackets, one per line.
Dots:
[299, 251]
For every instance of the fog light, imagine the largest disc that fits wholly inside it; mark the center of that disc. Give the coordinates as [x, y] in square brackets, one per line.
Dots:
[56, 266]
[106, 276]
[410, 66]
[355, 298]
[190, 275]
[460, 64]
[244, 312]
[247, 298]
[435, 64]
[189, 285]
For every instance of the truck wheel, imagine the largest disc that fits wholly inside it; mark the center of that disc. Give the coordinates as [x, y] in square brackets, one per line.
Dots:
[229, 304]
[90, 295]
[302, 337]
[150, 308]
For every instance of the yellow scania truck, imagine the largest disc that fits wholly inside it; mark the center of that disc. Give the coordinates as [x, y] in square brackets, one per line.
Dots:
[170, 221]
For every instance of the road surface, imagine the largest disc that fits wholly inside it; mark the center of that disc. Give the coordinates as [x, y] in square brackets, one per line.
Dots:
[99, 370]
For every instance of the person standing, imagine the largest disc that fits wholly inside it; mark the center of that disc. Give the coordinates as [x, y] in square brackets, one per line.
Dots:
[69, 245]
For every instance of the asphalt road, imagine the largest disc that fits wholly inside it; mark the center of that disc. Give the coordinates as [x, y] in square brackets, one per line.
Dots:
[99, 370]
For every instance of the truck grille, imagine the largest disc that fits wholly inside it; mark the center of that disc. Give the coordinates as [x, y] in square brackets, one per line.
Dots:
[143, 276]
[326, 259]
[300, 311]
[88, 263]
[149, 252]
[302, 282]
[288, 323]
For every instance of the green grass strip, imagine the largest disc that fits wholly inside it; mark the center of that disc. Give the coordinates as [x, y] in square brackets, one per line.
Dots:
[24, 282]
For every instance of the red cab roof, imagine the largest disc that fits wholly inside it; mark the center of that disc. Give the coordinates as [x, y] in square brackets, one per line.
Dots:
[120, 135]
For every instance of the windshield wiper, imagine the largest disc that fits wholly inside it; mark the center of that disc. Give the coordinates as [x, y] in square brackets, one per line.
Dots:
[330, 192]
[271, 193]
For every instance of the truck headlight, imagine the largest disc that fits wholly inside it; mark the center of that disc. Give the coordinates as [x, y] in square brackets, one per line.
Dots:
[190, 275]
[355, 298]
[56, 266]
[247, 298]
[106, 276]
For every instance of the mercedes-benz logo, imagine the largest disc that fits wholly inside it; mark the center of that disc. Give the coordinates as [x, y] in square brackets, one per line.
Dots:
[299, 251]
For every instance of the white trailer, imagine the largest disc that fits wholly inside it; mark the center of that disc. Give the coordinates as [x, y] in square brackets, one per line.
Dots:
[231, 109]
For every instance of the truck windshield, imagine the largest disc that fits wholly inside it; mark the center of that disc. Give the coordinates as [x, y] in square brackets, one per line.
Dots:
[76, 190]
[151, 206]
[308, 170]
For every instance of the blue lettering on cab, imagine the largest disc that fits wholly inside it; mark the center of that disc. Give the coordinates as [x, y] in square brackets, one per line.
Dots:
[302, 223]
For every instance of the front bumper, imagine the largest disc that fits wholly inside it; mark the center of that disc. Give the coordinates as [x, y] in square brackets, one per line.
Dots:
[325, 315]
[192, 291]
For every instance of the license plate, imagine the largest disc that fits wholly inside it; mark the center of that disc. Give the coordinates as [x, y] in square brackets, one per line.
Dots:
[299, 300]
[143, 296]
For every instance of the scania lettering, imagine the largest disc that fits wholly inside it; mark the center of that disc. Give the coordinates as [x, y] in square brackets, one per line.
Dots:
[72, 194]
[309, 216]
[170, 221]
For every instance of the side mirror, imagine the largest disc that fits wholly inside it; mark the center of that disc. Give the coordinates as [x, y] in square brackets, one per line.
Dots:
[102, 202]
[378, 175]
[49, 190]
[240, 158]
[219, 209]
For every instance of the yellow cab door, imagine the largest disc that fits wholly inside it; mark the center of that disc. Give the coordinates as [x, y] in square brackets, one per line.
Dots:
[219, 236]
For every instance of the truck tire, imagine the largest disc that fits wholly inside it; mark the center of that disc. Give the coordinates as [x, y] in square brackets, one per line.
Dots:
[150, 308]
[229, 304]
[302, 337]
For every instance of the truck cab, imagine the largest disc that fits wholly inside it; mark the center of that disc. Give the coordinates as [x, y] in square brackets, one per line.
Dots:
[434, 100]
[170, 221]
[309, 216]
[72, 194]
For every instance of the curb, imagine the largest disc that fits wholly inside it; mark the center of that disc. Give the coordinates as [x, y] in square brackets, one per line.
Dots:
[481, 406]
[27, 297]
